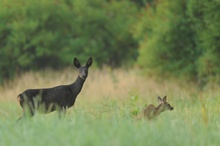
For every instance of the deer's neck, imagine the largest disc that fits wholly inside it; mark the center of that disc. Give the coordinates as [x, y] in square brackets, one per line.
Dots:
[158, 110]
[77, 85]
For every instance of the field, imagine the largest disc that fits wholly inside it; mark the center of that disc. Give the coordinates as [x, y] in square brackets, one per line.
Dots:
[105, 112]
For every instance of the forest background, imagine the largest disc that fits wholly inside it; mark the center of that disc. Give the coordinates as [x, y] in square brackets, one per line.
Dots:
[178, 38]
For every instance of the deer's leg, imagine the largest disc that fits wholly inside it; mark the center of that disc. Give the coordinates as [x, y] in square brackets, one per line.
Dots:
[61, 112]
[28, 109]
[27, 113]
[19, 118]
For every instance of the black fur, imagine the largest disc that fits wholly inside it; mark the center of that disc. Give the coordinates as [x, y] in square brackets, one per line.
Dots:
[56, 98]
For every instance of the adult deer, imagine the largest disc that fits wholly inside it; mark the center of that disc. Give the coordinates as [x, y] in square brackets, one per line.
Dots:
[57, 98]
[152, 112]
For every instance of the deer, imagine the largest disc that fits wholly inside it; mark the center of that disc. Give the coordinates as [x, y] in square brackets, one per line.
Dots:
[57, 98]
[151, 112]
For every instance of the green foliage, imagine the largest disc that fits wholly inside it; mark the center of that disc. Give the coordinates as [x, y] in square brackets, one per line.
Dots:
[183, 126]
[36, 34]
[206, 16]
[165, 45]
[180, 38]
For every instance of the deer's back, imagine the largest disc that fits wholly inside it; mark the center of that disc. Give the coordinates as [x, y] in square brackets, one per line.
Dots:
[60, 95]
[149, 111]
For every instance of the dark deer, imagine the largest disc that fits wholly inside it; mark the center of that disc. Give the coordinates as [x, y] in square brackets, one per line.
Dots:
[152, 112]
[57, 98]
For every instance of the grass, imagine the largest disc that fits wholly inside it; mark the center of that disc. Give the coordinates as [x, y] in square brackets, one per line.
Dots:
[104, 112]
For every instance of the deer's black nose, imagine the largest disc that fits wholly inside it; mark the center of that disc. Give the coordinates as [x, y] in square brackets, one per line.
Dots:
[171, 108]
[84, 76]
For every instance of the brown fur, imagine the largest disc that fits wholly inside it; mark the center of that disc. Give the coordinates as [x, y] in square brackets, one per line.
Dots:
[151, 111]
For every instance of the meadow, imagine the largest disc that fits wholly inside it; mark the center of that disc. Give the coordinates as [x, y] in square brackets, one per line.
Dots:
[105, 112]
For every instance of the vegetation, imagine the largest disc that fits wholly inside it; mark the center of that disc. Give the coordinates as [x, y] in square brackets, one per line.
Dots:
[35, 32]
[106, 115]
[176, 39]
[180, 38]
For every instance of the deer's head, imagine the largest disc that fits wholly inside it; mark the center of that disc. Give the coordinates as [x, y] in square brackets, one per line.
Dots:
[164, 105]
[83, 69]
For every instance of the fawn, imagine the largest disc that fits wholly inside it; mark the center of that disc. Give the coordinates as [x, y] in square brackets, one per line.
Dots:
[56, 98]
[152, 112]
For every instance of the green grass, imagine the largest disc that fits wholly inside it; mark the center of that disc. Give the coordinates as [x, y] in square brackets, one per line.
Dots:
[115, 125]
[110, 121]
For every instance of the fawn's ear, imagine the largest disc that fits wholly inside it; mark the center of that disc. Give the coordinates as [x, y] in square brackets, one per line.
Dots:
[89, 62]
[76, 62]
[164, 98]
[159, 99]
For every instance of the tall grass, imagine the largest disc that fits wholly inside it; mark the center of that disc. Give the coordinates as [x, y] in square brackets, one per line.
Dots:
[104, 112]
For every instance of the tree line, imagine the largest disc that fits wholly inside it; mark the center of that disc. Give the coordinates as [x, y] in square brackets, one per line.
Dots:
[178, 38]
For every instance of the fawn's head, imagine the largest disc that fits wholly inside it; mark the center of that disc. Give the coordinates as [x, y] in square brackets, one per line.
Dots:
[83, 69]
[164, 105]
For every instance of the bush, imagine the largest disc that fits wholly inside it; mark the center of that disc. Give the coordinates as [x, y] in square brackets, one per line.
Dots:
[165, 39]
[180, 38]
[205, 15]
[37, 34]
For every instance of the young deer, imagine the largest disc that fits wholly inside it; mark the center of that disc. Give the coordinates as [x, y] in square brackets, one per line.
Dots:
[56, 98]
[152, 112]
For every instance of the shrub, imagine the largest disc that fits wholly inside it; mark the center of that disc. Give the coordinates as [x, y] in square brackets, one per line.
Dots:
[37, 34]
[180, 38]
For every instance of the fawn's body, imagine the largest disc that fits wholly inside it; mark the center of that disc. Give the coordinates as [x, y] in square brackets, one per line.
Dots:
[151, 111]
[57, 98]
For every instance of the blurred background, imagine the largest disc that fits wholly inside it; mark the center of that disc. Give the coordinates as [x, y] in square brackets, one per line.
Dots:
[178, 38]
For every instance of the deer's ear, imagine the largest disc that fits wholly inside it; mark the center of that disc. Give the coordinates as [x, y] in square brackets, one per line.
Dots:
[159, 99]
[89, 62]
[76, 62]
[164, 98]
